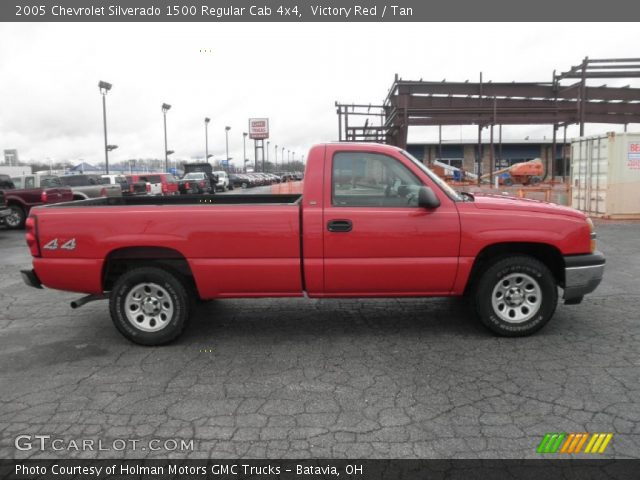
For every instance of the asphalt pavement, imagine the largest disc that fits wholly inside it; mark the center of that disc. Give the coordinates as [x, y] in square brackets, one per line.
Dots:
[413, 378]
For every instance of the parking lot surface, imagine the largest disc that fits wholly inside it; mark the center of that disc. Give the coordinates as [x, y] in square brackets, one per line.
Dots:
[334, 378]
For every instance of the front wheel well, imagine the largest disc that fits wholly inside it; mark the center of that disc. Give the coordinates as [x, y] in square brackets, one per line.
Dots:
[549, 255]
[123, 260]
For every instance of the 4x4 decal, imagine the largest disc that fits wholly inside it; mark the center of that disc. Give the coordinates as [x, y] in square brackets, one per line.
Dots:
[68, 245]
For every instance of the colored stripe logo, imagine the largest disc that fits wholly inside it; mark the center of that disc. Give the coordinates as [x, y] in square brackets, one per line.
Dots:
[574, 443]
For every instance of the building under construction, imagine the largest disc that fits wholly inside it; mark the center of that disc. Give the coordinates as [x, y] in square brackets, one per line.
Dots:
[564, 101]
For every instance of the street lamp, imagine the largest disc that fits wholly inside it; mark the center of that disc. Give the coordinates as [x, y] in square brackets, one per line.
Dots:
[226, 132]
[206, 139]
[276, 152]
[165, 108]
[244, 151]
[268, 142]
[282, 156]
[104, 88]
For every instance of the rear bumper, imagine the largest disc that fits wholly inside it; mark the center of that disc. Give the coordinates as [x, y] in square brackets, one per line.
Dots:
[583, 274]
[31, 278]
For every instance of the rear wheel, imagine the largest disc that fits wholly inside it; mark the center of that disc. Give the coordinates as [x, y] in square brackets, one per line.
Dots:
[516, 296]
[149, 306]
[16, 218]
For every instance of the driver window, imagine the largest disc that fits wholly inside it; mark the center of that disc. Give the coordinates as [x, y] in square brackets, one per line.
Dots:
[29, 182]
[361, 179]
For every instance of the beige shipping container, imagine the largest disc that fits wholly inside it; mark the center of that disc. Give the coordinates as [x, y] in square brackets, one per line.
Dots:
[605, 175]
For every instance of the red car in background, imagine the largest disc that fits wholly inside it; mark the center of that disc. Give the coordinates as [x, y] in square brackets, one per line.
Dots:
[158, 183]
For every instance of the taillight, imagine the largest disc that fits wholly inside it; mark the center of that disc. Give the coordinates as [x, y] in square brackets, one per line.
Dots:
[103, 192]
[31, 235]
[44, 197]
[202, 184]
[187, 186]
[164, 188]
[147, 186]
[131, 189]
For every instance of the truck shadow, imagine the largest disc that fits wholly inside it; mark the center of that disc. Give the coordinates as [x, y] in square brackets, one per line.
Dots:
[332, 318]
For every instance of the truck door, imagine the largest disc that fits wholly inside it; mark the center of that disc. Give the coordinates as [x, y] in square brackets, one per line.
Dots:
[377, 241]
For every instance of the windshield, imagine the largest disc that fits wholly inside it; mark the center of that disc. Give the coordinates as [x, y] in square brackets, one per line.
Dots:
[441, 183]
[194, 176]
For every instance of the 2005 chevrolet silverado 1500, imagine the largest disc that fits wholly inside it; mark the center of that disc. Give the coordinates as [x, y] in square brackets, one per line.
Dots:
[372, 222]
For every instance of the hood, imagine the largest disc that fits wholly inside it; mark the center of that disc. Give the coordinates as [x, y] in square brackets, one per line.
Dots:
[504, 202]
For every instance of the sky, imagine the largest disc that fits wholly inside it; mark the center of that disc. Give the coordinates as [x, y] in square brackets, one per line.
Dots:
[51, 108]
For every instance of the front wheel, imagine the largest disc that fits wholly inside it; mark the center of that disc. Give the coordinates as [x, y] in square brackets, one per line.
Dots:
[149, 306]
[516, 296]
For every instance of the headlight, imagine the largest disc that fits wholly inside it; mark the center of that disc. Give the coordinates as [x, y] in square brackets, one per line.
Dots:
[593, 234]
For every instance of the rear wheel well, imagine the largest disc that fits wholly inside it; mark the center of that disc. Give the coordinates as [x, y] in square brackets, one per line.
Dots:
[549, 255]
[15, 203]
[126, 259]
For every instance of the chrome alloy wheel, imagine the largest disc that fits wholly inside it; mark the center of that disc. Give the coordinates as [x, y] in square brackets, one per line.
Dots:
[148, 307]
[516, 298]
[13, 219]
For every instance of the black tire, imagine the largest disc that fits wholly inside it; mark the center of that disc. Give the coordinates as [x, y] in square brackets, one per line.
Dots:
[177, 295]
[507, 182]
[15, 221]
[500, 279]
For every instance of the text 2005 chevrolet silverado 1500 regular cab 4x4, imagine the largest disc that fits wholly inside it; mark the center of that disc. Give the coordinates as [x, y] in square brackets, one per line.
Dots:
[372, 222]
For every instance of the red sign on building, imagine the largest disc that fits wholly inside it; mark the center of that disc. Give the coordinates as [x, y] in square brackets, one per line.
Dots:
[258, 128]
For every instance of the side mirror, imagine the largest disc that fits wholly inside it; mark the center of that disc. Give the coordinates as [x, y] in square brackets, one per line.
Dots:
[427, 198]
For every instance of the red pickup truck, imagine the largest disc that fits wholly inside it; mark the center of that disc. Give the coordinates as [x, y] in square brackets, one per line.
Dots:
[372, 222]
[28, 191]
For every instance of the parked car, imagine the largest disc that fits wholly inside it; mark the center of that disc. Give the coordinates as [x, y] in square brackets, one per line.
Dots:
[159, 183]
[372, 222]
[223, 180]
[24, 192]
[195, 182]
[202, 167]
[127, 187]
[239, 180]
[86, 186]
[4, 210]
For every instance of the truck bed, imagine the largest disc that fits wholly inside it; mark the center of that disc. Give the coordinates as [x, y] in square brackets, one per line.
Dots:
[230, 199]
[235, 245]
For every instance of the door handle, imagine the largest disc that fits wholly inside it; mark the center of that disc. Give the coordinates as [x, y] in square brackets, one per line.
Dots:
[339, 225]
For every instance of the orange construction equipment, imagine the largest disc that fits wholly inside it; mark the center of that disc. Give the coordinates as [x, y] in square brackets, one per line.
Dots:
[525, 173]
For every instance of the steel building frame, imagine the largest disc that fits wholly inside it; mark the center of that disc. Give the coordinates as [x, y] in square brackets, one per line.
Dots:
[487, 104]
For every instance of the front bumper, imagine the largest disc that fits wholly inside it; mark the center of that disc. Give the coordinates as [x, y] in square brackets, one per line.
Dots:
[582, 275]
[31, 278]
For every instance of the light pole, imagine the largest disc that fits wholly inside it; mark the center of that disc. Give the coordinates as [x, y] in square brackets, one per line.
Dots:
[268, 143]
[165, 108]
[206, 139]
[104, 88]
[244, 151]
[282, 156]
[276, 152]
[226, 132]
